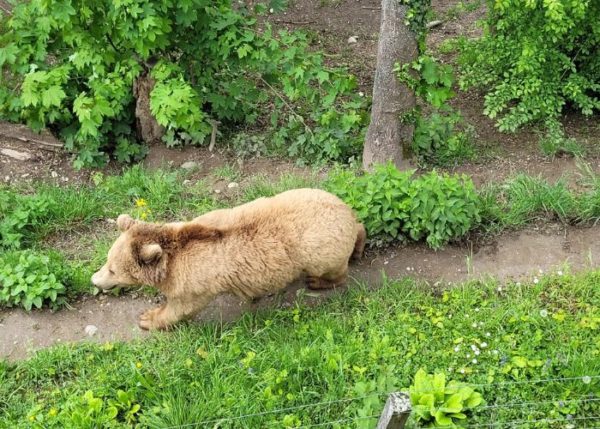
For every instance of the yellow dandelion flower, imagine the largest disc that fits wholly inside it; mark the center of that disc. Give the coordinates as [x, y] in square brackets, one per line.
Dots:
[140, 202]
[144, 215]
[53, 412]
[138, 365]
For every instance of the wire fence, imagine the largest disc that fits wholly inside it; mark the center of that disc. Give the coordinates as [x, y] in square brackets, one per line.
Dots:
[587, 379]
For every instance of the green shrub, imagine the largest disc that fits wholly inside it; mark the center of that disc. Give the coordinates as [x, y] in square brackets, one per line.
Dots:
[19, 214]
[535, 59]
[390, 203]
[28, 278]
[437, 139]
[436, 403]
[72, 67]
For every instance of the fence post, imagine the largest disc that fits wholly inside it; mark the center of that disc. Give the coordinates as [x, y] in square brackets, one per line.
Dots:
[396, 411]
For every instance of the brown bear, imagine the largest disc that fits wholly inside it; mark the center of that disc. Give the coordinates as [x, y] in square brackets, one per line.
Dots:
[250, 251]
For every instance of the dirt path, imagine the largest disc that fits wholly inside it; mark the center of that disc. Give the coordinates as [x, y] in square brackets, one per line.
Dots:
[514, 256]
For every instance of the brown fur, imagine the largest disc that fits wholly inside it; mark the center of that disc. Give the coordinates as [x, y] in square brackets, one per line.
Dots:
[250, 251]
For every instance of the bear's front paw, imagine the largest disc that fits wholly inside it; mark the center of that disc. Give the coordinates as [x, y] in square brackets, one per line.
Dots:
[151, 319]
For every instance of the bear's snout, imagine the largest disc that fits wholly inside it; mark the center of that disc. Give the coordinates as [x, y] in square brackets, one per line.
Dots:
[99, 279]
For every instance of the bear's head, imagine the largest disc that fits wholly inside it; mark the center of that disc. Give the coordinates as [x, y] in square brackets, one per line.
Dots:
[137, 257]
[141, 254]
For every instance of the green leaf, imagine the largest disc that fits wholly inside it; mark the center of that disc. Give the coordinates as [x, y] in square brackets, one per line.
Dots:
[53, 96]
[442, 419]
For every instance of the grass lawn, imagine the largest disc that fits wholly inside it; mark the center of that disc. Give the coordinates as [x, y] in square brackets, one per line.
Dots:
[532, 350]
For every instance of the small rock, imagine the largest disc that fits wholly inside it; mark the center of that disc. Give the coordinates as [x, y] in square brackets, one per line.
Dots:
[189, 165]
[186, 182]
[54, 174]
[232, 185]
[352, 40]
[90, 330]
[217, 191]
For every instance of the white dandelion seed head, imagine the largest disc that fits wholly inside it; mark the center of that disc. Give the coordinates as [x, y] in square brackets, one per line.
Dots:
[468, 355]
[536, 280]
[544, 313]
[477, 352]
[484, 344]
[487, 334]
[474, 361]
[462, 370]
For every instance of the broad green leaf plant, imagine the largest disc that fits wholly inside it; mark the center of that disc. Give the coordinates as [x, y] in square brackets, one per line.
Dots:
[436, 403]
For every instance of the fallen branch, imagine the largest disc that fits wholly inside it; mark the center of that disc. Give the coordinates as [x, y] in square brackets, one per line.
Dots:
[433, 24]
[295, 22]
[15, 154]
[45, 145]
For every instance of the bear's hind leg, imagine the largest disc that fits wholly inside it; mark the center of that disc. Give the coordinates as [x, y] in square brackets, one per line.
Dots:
[329, 280]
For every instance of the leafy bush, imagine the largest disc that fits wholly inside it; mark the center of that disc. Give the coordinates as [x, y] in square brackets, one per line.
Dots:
[436, 403]
[72, 66]
[437, 139]
[434, 207]
[18, 216]
[31, 279]
[535, 59]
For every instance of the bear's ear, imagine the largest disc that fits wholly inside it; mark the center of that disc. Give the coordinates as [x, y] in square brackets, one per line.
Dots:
[124, 222]
[150, 253]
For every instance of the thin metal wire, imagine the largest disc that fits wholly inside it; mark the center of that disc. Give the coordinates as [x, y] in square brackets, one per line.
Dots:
[277, 411]
[349, 419]
[512, 423]
[344, 400]
[522, 404]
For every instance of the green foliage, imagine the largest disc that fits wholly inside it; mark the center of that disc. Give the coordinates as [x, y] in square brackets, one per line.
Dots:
[19, 214]
[74, 70]
[555, 143]
[535, 59]
[434, 207]
[437, 141]
[28, 278]
[526, 199]
[354, 348]
[436, 403]
[437, 138]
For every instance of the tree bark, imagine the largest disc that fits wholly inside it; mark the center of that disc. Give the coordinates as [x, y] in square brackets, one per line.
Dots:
[386, 137]
[148, 129]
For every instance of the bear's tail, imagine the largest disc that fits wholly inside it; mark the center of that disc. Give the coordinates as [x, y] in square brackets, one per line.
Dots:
[361, 239]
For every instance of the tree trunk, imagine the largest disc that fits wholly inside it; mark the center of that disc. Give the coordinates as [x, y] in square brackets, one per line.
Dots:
[148, 129]
[386, 136]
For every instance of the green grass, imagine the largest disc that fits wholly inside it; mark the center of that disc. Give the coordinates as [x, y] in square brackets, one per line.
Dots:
[358, 345]
[45, 216]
